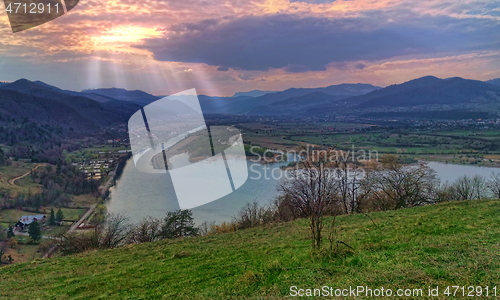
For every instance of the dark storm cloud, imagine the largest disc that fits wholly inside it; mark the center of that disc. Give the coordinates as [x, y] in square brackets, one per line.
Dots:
[360, 66]
[310, 43]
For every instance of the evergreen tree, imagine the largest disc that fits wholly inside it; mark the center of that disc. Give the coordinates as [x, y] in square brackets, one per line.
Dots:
[2, 157]
[179, 223]
[59, 216]
[10, 232]
[35, 231]
[52, 219]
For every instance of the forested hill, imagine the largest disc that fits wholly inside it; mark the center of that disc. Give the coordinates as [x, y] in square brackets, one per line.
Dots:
[40, 103]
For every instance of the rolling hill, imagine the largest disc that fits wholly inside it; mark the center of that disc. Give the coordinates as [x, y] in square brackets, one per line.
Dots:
[494, 81]
[46, 104]
[341, 90]
[19, 106]
[253, 93]
[96, 108]
[92, 96]
[294, 105]
[136, 96]
[454, 243]
[449, 92]
[426, 94]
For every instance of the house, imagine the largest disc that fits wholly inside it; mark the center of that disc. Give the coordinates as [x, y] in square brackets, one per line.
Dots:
[25, 221]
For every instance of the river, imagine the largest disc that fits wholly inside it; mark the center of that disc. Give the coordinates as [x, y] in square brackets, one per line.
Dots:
[139, 195]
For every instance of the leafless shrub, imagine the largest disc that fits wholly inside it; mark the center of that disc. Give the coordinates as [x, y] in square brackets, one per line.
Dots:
[312, 189]
[406, 186]
[284, 211]
[224, 227]
[114, 232]
[204, 228]
[149, 230]
[494, 185]
[110, 234]
[253, 215]
[469, 188]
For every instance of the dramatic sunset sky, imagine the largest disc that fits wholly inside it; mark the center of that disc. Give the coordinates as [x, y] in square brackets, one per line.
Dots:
[221, 46]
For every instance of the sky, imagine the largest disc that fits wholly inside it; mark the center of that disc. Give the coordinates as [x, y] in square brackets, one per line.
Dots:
[221, 47]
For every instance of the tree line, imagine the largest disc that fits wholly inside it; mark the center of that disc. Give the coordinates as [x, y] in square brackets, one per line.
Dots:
[59, 184]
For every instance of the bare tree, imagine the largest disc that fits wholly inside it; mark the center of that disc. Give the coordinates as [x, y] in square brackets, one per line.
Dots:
[110, 234]
[114, 232]
[149, 230]
[405, 186]
[494, 185]
[469, 188]
[350, 178]
[283, 210]
[312, 188]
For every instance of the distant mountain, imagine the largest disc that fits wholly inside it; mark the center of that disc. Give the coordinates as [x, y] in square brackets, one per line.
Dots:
[295, 105]
[422, 82]
[494, 81]
[92, 96]
[451, 92]
[344, 90]
[18, 106]
[217, 105]
[136, 96]
[254, 93]
[457, 96]
[47, 104]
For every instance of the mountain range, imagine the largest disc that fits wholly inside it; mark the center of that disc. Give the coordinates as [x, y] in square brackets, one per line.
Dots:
[426, 97]
[426, 94]
[494, 81]
[42, 103]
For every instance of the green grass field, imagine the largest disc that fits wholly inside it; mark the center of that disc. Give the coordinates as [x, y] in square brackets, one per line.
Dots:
[24, 185]
[13, 215]
[441, 245]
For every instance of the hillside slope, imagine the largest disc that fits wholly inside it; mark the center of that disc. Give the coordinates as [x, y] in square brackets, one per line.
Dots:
[136, 96]
[44, 103]
[494, 81]
[454, 96]
[453, 243]
[342, 90]
[295, 104]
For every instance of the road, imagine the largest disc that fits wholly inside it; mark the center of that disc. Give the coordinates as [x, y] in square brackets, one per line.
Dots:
[13, 181]
[26, 234]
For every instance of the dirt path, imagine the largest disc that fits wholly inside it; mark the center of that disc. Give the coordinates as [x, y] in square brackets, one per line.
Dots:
[12, 181]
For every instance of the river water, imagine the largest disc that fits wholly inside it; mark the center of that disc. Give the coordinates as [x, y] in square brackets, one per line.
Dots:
[139, 195]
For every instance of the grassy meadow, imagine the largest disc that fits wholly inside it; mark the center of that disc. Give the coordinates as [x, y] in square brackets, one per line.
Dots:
[455, 243]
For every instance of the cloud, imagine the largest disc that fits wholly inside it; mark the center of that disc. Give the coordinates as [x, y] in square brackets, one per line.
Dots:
[245, 77]
[313, 1]
[360, 66]
[300, 44]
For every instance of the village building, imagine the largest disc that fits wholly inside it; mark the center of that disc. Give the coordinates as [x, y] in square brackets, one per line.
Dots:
[25, 221]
